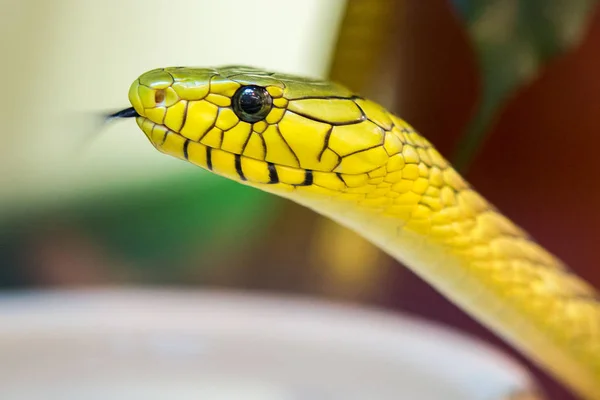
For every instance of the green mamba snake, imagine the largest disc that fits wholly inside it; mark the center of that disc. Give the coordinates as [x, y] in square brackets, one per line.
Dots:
[322, 146]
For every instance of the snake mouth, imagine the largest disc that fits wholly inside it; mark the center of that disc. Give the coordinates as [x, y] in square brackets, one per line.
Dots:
[231, 165]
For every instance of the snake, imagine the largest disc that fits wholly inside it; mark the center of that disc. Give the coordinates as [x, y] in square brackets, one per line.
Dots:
[325, 147]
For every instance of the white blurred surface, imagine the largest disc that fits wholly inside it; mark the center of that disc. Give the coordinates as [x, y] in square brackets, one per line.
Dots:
[65, 58]
[137, 344]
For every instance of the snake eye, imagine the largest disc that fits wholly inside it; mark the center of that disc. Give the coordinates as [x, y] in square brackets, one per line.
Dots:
[251, 103]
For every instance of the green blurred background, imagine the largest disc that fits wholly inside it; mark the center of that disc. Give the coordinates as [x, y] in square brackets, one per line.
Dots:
[509, 90]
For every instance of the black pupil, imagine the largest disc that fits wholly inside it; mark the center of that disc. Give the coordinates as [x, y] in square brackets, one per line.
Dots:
[251, 103]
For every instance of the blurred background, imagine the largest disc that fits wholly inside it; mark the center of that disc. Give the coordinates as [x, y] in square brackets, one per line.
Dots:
[508, 90]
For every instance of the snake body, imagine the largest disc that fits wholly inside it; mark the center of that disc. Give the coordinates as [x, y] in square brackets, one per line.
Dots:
[349, 159]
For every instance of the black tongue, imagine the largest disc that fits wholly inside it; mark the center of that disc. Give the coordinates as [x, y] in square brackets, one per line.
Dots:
[126, 113]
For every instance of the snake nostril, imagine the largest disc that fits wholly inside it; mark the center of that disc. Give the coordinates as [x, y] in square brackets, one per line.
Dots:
[159, 96]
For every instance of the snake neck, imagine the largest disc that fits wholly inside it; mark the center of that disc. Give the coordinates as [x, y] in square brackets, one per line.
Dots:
[442, 229]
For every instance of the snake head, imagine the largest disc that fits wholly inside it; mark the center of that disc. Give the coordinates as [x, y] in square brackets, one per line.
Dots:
[264, 128]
